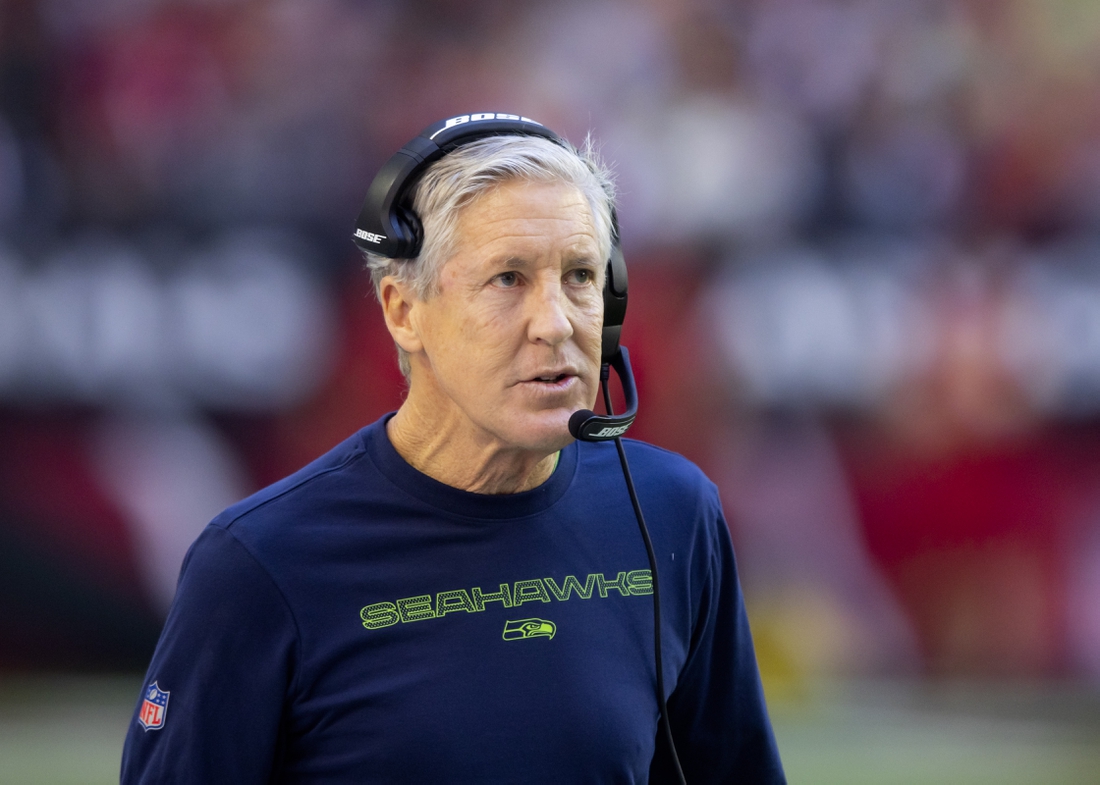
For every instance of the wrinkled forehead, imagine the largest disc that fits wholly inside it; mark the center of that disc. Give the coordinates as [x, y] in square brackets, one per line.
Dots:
[555, 206]
[552, 215]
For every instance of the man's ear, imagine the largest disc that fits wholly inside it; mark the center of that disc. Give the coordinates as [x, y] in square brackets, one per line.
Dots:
[398, 302]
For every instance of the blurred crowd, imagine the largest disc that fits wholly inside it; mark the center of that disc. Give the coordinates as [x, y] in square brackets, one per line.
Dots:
[864, 244]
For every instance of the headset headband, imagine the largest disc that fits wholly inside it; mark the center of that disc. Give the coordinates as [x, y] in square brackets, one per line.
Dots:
[384, 226]
[387, 226]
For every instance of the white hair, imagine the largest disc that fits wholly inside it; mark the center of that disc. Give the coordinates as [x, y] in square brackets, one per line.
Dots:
[459, 178]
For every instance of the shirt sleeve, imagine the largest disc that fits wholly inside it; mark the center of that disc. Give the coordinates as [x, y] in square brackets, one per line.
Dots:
[719, 718]
[212, 704]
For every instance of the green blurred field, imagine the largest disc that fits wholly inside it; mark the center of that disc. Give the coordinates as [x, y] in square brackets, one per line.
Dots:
[69, 730]
[961, 734]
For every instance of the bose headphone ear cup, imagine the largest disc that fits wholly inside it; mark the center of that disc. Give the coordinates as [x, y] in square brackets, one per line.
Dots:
[412, 232]
[614, 296]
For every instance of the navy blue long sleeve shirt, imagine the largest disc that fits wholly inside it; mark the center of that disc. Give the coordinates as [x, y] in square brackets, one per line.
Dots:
[360, 622]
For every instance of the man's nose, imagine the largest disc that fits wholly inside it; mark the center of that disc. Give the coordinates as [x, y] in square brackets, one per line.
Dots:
[548, 318]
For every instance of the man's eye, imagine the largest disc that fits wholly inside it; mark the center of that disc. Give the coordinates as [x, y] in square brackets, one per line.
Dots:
[507, 280]
[580, 276]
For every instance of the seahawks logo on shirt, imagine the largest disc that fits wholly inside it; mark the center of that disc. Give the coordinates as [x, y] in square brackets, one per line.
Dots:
[529, 628]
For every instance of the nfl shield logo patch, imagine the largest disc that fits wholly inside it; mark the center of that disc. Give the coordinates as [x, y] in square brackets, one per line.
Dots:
[153, 708]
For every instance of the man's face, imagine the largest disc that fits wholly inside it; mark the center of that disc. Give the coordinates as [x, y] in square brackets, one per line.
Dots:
[511, 343]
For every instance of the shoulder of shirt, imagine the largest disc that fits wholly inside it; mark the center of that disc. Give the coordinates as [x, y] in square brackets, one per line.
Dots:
[337, 460]
[657, 464]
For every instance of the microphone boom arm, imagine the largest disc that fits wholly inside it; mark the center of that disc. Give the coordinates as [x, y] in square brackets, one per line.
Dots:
[588, 426]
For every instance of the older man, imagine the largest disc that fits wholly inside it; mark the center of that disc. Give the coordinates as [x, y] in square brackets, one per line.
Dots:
[458, 592]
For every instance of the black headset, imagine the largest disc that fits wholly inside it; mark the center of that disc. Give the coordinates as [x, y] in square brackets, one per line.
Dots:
[387, 226]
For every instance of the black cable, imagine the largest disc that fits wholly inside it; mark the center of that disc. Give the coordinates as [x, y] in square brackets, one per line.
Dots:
[661, 703]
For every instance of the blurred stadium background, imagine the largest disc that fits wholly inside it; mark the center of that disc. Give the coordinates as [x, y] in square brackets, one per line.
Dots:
[864, 244]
